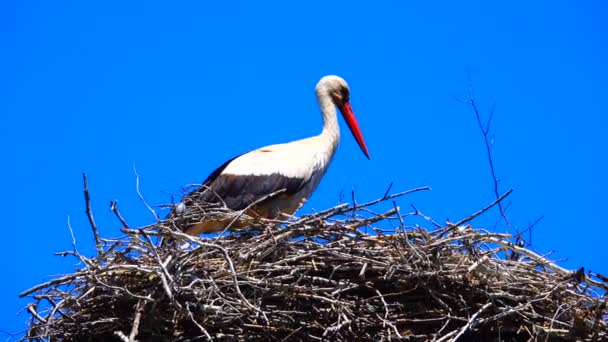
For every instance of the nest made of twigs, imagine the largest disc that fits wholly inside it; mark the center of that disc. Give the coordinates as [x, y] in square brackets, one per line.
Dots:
[343, 274]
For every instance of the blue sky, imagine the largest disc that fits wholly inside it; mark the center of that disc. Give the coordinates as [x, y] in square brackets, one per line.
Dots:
[177, 88]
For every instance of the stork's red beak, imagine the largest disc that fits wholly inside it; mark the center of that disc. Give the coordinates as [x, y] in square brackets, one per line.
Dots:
[351, 121]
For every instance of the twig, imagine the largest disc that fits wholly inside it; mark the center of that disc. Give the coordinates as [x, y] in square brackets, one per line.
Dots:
[142, 197]
[252, 205]
[228, 260]
[198, 325]
[54, 282]
[34, 313]
[497, 201]
[76, 253]
[488, 144]
[122, 336]
[389, 197]
[114, 208]
[545, 262]
[165, 276]
[471, 321]
[388, 190]
[89, 211]
[135, 329]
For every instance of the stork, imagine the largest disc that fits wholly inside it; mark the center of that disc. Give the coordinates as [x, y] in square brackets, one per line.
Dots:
[295, 168]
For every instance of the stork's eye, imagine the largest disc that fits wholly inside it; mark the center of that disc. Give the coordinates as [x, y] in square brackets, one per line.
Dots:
[345, 94]
[337, 96]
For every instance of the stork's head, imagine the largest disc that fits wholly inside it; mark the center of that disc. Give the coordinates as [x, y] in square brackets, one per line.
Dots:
[336, 88]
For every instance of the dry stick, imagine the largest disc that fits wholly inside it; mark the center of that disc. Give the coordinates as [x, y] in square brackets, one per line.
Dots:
[198, 325]
[600, 277]
[121, 335]
[242, 212]
[165, 277]
[283, 236]
[114, 208]
[354, 205]
[471, 321]
[342, 208]
[228, 259]
[138, 311]
[76, 253]
[426, 218]
[554, 318]
[54, 282]
[400, 218]
[404, 231]
[385, 307]
[374, 219]
[529, 230]
[89, 211]
[156, 255]
[56, 308]
[293, 232]
[322, 214]
[477, 263]
[485, 131]
[399, 194]
[142, 197]
[388, 190]
[203, 188]
[544, 261]
[486, 208]
[34, 313]
[406, 237]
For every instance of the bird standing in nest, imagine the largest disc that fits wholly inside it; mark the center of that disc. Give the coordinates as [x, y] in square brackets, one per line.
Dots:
[275, 180]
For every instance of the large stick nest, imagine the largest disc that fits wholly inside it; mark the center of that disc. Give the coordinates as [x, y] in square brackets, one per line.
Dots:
[347, 273]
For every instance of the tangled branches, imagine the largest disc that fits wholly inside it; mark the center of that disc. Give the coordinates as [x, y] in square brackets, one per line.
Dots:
[347, 273]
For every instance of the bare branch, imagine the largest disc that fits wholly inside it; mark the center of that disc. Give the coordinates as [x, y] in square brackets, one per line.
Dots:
[483, 210]
[142, 197]
[89, 211]
[485, 131]
[114, 208]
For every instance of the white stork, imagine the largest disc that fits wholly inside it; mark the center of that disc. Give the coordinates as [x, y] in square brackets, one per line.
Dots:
[296, 168]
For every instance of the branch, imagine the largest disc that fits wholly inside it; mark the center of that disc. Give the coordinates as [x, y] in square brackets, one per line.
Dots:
[89, 211]
[114, 208]
[488, 143]
[142, 197]
[486, 208]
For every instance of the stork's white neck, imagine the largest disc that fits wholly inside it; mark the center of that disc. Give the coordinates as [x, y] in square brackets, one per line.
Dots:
[331, 128]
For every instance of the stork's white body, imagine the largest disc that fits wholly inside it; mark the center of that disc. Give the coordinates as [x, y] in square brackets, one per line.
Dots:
[297, 159]
[297, 167]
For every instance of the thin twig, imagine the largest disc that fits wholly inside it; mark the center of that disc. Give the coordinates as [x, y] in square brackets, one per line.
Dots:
[89, 211]
[488, 144]
[471, 321]
[142, 197]
[121, 335]
[114, 208]
[483, 210]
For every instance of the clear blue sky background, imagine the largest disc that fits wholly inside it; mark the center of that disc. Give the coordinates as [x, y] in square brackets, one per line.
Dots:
[177, 88]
